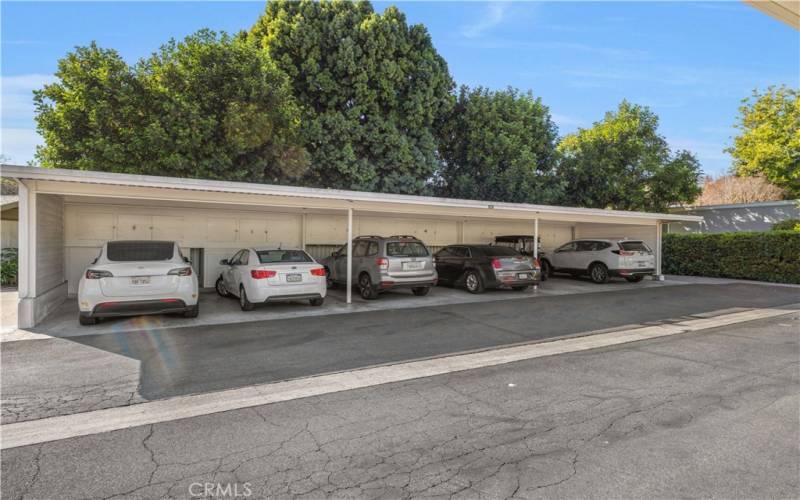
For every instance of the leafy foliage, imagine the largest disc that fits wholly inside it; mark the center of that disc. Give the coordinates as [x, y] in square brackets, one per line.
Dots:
[372, 90]
[766, 256]
[769, 139]
[499, 145]
[787, 225]
[9, 263]
[622, 162]
[211, 106]
[734, 189]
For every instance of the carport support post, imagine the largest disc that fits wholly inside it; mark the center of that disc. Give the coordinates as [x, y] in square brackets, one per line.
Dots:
[658, 276]
[535, 243]
[349, 255]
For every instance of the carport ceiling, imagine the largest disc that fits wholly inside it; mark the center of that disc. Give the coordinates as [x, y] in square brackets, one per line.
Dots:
[127, 187]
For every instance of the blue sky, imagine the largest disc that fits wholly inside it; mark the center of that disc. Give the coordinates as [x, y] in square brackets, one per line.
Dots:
[691, 63]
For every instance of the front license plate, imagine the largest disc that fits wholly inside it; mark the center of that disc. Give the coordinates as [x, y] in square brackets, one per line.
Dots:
[523, 276]
[294, 278]
[412, 266]
[140, 280]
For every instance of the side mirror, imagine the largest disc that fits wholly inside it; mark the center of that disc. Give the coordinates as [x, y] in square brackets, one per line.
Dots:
[224, 262]
[186, 259]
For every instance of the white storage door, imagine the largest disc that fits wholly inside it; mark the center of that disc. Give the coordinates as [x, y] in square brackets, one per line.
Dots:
[168, 228]
[253, 231]
[90, 226]
[134, 227]
[221, 229]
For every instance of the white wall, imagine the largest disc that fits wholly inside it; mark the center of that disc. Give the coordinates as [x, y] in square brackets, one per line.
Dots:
[9, 230]
[49, 242]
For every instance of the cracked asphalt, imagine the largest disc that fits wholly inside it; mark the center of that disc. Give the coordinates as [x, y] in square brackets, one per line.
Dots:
[710, 414]
[45, 378]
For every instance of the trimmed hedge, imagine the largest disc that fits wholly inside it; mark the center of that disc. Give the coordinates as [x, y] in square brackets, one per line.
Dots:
[787, 225]
[764, 256]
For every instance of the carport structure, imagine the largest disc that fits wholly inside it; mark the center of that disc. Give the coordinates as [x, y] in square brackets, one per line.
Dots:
[66, 215]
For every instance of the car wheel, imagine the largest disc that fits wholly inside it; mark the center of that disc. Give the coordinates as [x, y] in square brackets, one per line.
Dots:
[473, 282]
[328, 280]
[86, 320]
[547, 270]
[598, 272]
[368, 291]
[635, 279]
[245, 304]
[421, 291]
[317, 302]
[220, 287]
[192, 312]
[519, 288]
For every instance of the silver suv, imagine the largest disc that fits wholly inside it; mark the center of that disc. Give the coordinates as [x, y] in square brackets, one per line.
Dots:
[381, 264]
[603, 258]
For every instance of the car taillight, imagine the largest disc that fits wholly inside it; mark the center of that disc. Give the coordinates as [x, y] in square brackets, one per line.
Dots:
[382, 263]
[496, 264]
[537, 264]
[260, 274]
[318, 271]
[95, 274]
[181, 271]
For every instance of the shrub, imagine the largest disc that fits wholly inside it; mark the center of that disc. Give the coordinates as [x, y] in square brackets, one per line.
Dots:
[8, 266]
[765, 256]
[787, 225]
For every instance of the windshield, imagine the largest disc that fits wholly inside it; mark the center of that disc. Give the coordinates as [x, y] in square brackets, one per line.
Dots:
[275, 256]
[634, 246]
[406, 249]
[136, 251]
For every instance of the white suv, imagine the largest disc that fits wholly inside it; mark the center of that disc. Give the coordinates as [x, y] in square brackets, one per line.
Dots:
[258, 275]
[129, 278]
[603, 258]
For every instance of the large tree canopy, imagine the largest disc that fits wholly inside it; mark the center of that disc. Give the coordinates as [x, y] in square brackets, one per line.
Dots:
[622, 162]
[372, 90]
[210, 106]
[769, 139]
[499, 145]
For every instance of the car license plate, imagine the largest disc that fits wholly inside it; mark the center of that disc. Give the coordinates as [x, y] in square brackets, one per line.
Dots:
[523, 276]
[642, 264]
[412, 266]
[140, 280]
[294, 278]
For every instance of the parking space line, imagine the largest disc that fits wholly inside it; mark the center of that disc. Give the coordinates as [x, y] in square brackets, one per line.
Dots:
[111, 419]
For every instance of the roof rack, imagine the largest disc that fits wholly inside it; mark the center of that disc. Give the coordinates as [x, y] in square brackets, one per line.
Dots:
[367, 236]
[406, 236]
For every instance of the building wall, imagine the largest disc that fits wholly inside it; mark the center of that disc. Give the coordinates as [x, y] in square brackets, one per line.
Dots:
[221, 232]
[9, 231]
[744, 217]
[648, 234]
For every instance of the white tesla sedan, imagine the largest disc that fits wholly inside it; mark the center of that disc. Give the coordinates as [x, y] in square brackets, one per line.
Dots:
[258, 275]
[129, 278]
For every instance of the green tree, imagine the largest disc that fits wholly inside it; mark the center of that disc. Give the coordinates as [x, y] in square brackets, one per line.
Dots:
[769, 139]
[499, 145]
[211, 106]
[372, 90]
[623, 163]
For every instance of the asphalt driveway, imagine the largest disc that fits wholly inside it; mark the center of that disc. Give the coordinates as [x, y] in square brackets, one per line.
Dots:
[47, 377]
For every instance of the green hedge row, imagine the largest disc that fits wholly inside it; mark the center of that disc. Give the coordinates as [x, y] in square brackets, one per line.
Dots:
[765, 256]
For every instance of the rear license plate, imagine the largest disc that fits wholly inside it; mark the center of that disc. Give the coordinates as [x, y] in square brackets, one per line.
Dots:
[642, 264]
[140, 280]
[294, 278]
[412, 266]
[523, 276]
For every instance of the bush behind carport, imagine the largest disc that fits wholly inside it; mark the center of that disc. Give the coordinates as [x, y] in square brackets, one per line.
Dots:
[765, 256]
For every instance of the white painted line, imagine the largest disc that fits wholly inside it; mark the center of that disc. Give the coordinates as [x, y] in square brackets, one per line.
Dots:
[111, 419]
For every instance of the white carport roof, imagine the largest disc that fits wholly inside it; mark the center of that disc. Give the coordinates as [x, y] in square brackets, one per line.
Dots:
[83, 183]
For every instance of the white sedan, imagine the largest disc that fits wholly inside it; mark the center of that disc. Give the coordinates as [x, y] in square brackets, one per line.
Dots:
[129, 278]
[258, 275]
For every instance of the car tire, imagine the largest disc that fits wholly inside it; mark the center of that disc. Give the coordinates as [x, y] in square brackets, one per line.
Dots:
[421, 291]
[635, 279]
[192, 312]
[547, 270]
[244, 303]
[598, 272]
[220, 287]
[317, 302]
[519, 288]
[366, 288]
[473, 282]
[328, 281]
[86, 320]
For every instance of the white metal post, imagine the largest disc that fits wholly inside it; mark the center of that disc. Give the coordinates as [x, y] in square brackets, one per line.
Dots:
[27, 246]
[349, 255]
[658, 275]
[536, 238]
[303, 224]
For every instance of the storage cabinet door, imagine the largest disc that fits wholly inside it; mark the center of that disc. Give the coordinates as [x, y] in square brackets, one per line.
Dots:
[252, 230]
[168, 228]
[94, 227]
[134, 227]
[221, 229]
